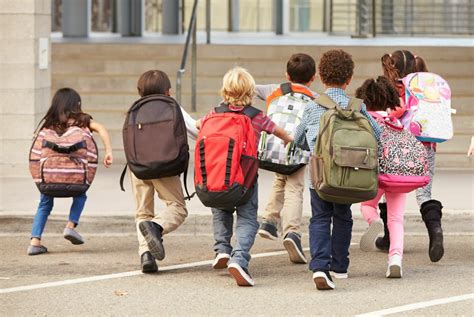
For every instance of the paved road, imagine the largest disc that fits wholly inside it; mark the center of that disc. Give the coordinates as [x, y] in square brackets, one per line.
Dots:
[281, 288]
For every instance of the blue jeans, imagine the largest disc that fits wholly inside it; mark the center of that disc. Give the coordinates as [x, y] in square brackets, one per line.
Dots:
[246, 230]
[44, 209]
[329, 250]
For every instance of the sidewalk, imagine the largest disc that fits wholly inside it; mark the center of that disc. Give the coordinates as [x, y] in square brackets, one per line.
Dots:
[19, 196]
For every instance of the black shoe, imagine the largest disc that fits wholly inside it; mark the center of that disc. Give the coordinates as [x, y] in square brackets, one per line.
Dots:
[323, 280]
[152, 234]
[431, 214]
[240, 274]
[383, 243]
[148, 263]
[268, 231]
[292, 244]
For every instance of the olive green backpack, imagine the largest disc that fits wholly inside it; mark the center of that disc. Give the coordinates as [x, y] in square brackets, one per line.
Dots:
[344, 162]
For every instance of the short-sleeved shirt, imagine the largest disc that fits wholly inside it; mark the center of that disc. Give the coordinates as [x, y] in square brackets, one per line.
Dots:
[261, 122]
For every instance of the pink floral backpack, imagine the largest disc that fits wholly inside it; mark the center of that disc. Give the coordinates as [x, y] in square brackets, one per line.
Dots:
[403, 164]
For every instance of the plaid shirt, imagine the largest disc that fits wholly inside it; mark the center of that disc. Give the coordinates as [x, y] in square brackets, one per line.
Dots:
[309, 126]
[261, 122]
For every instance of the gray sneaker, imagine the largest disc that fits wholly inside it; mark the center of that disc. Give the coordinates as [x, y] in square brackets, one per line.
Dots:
[73, 236]
[268, 231]
[36, 249]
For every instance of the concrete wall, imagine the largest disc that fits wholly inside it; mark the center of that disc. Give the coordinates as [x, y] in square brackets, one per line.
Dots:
[106, 76]
[24, 87]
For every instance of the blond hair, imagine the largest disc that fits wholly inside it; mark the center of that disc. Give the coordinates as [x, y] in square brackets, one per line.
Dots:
[238, 87]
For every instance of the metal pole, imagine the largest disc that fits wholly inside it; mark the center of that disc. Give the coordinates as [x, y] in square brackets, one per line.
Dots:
[208, 21]
[374, 19]
[193, 69]
[234, 11]
[76, 20]
[170, 21]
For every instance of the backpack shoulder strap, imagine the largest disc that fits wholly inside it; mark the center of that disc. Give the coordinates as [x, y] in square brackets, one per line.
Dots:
[325, 101]
[223, 107]
[251, 112]
[355, 104]
[286, 88]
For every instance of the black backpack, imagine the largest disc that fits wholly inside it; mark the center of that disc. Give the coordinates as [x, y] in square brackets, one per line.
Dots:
[154, 139]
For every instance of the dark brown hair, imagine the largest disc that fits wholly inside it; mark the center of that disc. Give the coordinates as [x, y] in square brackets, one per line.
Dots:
[301, 68]
[153, 82]
[336, 67]
[401, 63]
[65, 111]
[379, 94]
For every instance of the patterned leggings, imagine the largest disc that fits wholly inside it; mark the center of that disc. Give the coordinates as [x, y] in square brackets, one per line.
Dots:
[423, 194]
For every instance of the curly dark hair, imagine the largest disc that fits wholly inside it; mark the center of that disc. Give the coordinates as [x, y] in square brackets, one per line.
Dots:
[301, 68]
[378, 94]
[336, 67]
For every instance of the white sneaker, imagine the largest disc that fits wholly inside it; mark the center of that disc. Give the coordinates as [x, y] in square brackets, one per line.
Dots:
[338, 275]
[394, 269]
[367, 241]
[220, 262]
[323, 281]
[240, 274]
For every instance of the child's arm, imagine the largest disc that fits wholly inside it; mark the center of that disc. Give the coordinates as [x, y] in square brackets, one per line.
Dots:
[104, 135]
[280, 133]
[263, 91]
[198, 124]
[470, 151]
[372, 122]
[190, 124]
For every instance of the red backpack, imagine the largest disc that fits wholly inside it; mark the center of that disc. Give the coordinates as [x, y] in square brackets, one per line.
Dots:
[225, 158]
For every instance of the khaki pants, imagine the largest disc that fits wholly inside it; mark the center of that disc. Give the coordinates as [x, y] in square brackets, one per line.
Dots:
[286, 201]
[170, 192]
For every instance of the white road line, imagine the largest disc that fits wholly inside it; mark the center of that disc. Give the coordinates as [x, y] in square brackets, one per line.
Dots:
[124, 274]
[133, 234]
[420, 305]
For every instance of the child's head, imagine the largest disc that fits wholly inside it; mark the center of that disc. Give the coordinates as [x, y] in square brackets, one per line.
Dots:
[238, 87]
[153, 82]
[401, 63]
[336, 68]
[65, 110]
[301, 68]
[379, 94]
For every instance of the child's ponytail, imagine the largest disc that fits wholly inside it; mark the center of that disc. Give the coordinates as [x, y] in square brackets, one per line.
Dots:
[420, 65]
[389, 69]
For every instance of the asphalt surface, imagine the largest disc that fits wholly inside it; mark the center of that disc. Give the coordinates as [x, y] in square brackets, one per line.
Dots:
[282, 288]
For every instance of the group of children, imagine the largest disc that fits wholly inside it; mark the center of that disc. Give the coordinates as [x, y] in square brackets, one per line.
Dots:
[329, 246]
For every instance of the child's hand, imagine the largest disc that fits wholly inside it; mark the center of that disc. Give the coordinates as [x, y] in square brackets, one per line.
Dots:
[108, 160]
[289, 140]
[470, 151]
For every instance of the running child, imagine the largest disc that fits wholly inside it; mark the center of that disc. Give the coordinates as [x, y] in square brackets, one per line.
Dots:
[238, 88]
[285, 206]
[65, 111]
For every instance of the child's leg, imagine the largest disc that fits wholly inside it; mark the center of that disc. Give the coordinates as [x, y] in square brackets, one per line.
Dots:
[341, 237]
[171, 193]
[143, 192]
[246, 229]
[320, 233]
[423, 194]
[77, 207]
[368, 208]
[293, 205]
[44, 209]
[277, 198]
[396, 209]
[222, 223]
